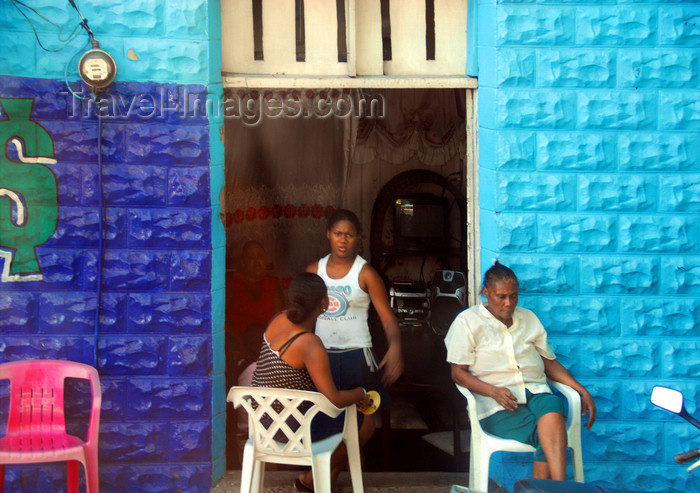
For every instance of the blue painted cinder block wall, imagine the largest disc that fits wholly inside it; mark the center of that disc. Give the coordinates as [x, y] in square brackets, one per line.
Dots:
[159, 342]
[588, 160]
[589, 155]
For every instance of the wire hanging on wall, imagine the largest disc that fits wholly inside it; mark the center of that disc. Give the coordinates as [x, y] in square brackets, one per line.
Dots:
[100, 205]
[66, 42]
[100, 240]
[98, 70]
[83, 20]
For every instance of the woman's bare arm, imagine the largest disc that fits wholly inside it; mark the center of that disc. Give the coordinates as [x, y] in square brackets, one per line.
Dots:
[504, 397]
[392, 363]
[315, 358]
[556, 371]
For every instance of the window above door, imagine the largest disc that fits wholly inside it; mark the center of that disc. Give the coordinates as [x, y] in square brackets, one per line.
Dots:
[344, 38]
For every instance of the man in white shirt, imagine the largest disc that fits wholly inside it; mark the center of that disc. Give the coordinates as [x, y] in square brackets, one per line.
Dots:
[499, 352]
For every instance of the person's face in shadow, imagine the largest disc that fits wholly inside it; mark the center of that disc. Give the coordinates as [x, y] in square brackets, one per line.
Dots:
[343, 239]
[254, 262]
[503, 298]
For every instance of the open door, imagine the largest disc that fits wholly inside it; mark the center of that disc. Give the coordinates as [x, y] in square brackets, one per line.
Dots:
[286, 172]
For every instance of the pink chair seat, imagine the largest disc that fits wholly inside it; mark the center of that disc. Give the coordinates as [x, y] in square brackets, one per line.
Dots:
[36, 430]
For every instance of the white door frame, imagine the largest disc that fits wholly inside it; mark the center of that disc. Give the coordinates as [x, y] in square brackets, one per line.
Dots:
[471, 160]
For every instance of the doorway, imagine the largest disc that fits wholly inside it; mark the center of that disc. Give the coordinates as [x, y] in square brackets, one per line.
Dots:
[294, 155]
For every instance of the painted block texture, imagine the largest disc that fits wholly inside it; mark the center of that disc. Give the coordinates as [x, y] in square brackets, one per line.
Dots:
[148, 291]
[589, 189]
[150, 40]
[145, 309]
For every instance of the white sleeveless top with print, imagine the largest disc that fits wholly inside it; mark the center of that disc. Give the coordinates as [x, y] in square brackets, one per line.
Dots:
[344, 324]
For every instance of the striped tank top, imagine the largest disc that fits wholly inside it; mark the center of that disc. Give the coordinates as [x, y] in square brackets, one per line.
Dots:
[273, 371]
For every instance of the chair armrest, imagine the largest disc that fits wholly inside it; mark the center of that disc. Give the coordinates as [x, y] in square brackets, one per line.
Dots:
[573, 400]
[350, 423]
[96, 390]
[237, 394]
[572, 397]
[471, 402]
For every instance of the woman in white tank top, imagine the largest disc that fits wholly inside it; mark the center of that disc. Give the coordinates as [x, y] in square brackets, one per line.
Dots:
[352, 285]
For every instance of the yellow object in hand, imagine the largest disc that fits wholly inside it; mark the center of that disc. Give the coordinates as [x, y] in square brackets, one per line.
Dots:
[375, 400]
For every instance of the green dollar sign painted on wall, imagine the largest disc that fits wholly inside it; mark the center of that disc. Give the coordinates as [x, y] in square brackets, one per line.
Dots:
[28, 190]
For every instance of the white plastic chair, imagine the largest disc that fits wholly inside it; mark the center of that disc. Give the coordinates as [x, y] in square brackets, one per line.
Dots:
[484, 444]
[262, 447]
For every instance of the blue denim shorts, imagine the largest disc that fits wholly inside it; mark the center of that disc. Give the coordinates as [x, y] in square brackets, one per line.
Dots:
[350, 369]
[346, 368]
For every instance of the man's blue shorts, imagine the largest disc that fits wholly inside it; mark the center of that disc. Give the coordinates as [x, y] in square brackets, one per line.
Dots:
[521, 424]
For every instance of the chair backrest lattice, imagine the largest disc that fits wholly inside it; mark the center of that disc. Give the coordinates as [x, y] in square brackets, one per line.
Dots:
[36, 418]
[279, 419]
[34, 407]
[37, 391]
[38, 407]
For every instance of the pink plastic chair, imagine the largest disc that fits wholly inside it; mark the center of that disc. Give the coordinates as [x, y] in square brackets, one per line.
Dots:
[36, 429]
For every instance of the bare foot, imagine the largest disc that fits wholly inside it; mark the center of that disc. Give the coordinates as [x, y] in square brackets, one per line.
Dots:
[301, 485]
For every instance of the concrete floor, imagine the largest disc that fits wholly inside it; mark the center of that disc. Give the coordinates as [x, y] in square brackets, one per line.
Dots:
[374, 482]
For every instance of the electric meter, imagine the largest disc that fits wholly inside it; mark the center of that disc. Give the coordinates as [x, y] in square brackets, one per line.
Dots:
[97, 68]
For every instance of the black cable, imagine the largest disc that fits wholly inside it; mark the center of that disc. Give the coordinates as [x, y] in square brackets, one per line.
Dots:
[84, 22]
[71, 36]
[100, 240]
